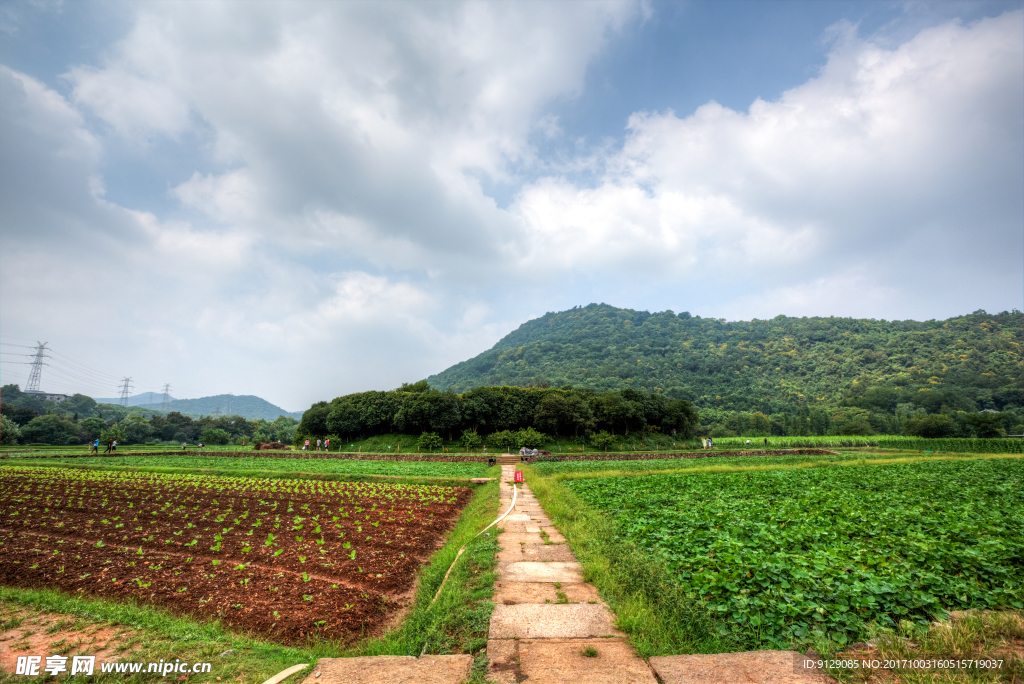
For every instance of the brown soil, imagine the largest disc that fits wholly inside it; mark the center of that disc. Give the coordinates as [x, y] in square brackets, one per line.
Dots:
[286, 558]
[49, 633]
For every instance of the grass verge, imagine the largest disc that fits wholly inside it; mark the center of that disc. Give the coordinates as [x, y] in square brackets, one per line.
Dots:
[456, 623]
[656, 613]
[994, 639]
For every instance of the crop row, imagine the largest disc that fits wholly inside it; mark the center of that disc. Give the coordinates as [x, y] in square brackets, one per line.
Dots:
[788, 553]
[954, 444]
[378, 537]
[325, 466]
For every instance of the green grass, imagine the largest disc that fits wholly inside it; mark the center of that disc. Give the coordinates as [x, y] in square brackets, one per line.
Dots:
[790, 554]
[660, 616]
[456, 623]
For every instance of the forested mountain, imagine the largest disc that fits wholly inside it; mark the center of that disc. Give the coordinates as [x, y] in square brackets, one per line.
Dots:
[246, 405]
[783, 366]
[144, 399]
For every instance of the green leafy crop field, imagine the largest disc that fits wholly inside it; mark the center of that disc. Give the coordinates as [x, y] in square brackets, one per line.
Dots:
[325, 465]
[787, 554]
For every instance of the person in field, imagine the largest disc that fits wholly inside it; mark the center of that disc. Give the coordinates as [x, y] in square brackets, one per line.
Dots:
[183, 445]
[305, 447]
[95, 447]
[318, 445]
[110, 445]
[327, 444]
[113, 447]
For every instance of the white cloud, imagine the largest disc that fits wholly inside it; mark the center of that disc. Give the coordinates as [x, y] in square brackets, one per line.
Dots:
[882, 157]
[337, 236]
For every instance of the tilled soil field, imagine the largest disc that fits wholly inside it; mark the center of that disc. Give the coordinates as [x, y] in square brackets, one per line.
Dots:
[287, 558]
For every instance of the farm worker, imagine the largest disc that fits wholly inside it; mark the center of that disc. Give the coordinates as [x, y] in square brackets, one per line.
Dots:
[305, 446]
[110, 444]
[711, 443]
[748, 441]
[183, 444]
[113, 448]
[327, 443]
[95, 447]
[318, 445]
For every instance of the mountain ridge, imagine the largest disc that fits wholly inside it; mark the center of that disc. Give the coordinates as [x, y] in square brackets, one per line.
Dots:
[970, 362]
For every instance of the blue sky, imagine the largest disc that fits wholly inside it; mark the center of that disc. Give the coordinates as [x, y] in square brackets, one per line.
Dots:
[299, 200]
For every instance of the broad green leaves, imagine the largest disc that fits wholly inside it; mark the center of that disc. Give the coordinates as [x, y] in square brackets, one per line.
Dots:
[789, 552]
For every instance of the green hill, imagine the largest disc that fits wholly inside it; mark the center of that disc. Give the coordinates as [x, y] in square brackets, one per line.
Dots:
[779, 366]
[247, 405]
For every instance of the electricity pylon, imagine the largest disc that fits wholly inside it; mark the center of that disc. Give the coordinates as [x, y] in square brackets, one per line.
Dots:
[126, 387]
[167, 397]
[35, 375]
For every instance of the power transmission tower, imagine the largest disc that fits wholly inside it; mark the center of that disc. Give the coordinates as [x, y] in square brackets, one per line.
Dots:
[167, 397]
[126, 387]
[35, 375]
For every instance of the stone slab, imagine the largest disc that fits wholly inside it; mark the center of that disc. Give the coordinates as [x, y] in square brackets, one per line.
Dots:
[540, 572]
[513, 553]
[432, 669]
[560, 661]
[508, 538]
[554, 535]
[755, 667]
[517, 517]
[510, 593]
[551, 621]
[513, 527]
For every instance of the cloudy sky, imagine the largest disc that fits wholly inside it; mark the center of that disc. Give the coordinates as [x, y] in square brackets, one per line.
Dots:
[304, 199]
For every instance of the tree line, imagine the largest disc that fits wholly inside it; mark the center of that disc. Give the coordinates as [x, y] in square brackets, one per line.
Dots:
[483, 411]
[26, 419]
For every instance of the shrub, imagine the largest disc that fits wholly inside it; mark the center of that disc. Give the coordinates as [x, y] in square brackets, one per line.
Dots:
[529, 438]
[602, 440]
[10, 433]
[471, 440]
[429, 441]
[215, 436]
[503, 439]
[935, 425]
[50, 429]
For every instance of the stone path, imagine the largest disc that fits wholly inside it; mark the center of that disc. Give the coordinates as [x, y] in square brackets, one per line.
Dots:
[548, 625]
[551, 627]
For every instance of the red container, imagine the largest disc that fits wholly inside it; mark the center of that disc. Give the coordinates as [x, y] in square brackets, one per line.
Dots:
[519, 476]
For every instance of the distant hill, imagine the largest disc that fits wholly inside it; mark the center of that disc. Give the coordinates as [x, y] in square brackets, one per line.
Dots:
[246, 405]
[966, 363]
[135, 400]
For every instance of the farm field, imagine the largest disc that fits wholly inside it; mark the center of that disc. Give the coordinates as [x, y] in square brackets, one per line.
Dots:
[792, 554]
[581, 468]
[286, 558]
[339, 466]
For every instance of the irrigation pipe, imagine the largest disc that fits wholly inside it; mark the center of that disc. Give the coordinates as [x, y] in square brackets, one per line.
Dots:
[281, 676]
[515, 492]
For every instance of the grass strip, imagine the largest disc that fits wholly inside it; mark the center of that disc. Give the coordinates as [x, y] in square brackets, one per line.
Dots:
[456, 623]
[264, 474]
[728, 468]
[657, 614]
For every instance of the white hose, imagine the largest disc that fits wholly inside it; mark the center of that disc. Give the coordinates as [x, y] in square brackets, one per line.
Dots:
[515, 491]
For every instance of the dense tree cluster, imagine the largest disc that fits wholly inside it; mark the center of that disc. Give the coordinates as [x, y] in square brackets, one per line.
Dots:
[80, 419]
[415, 409]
